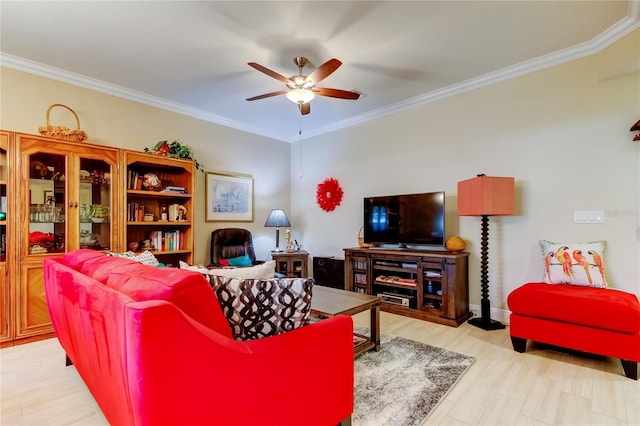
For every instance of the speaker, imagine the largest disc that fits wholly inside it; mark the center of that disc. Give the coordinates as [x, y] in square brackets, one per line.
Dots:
[329, 272]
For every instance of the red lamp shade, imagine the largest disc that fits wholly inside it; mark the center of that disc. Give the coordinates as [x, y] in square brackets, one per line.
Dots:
[486, 195]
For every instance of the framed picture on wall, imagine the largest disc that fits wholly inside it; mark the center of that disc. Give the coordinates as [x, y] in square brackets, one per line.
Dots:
[229, 197]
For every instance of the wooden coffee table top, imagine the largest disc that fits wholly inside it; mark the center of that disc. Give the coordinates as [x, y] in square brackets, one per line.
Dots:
[327, 301]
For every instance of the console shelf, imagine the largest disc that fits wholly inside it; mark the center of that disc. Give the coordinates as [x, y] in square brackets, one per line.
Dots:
[429, 285]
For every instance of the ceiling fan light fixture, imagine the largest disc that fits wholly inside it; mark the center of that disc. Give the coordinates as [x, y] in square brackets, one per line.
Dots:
[300, 96]
[301, 89]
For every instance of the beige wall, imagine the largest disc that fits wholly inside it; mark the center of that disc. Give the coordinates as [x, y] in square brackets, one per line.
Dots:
[118, 122]
[563, 133]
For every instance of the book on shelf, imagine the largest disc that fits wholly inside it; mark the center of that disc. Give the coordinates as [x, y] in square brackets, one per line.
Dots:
[135, 211]
[167, 240]
[176, 189]
[134, 180]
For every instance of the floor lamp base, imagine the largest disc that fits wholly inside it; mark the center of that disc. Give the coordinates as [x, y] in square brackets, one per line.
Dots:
[486, 324]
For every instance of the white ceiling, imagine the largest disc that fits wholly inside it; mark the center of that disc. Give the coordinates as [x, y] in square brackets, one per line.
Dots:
[191, 57]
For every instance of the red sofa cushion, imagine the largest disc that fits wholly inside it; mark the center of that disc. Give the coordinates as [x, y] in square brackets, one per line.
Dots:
[189, 291]
[75, 259]
[99, 268]
[605, 308]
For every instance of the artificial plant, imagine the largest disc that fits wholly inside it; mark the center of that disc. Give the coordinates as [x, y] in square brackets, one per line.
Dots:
[175, 149]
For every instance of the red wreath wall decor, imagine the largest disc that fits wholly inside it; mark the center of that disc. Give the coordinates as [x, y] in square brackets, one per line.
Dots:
[329, 194]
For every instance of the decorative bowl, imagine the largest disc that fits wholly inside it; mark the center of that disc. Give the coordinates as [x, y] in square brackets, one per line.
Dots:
[98, 219]
[151, 181]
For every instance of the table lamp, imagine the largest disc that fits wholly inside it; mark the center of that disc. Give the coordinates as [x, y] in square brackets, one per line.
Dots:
[486, 196]
[277, 219]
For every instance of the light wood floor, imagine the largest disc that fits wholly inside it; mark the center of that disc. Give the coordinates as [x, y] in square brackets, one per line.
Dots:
[541, 387]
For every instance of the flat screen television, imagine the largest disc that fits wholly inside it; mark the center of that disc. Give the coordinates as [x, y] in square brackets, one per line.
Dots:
[411, 219]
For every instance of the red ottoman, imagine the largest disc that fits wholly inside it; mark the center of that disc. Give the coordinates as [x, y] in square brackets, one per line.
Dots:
[601, 321]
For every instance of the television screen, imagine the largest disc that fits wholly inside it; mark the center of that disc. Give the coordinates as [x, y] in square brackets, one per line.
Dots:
[416, 219]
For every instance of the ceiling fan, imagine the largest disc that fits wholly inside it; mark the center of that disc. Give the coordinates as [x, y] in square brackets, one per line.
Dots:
[301, 89]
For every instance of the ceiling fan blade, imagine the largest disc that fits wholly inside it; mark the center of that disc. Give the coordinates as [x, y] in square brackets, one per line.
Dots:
[336, 93]
[304, 108]
[269, 72]
[268, 95]
[323, 71]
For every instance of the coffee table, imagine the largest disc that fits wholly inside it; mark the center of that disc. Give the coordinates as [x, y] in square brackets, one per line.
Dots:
[328, 302]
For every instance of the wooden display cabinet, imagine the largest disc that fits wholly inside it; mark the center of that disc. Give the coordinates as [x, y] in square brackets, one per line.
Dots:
[292, 265]
[64, 196]
[172, 239]
[429, 285]
[67, 194]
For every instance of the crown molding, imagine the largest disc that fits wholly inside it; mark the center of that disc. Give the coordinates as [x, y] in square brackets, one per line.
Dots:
[58, 74]
[622, 28]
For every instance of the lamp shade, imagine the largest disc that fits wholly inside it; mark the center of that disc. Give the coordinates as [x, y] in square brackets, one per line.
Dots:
[486, 195]
[277, 219]
[300, 96]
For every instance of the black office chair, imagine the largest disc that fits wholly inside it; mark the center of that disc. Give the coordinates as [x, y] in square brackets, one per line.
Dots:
[227, 243]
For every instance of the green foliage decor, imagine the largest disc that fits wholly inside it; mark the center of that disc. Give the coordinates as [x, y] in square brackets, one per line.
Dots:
[175, 149]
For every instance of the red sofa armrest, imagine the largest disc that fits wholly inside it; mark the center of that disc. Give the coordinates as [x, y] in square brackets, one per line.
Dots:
[188, 374]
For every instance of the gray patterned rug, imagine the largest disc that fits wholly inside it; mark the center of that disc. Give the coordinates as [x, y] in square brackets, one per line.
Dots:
[404, 381]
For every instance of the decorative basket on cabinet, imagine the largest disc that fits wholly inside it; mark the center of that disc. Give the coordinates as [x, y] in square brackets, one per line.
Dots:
[62, 132]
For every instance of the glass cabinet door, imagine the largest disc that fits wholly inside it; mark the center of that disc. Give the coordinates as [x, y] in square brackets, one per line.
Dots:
[70, 198]
[95, 209]
[47, 195]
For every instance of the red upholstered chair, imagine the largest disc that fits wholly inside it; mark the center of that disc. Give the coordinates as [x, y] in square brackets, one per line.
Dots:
[601, 321]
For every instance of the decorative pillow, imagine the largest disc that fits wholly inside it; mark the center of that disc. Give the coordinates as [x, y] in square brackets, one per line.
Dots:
[262, 308]
[223, 262]
[574, 263]
[242, 261]
[265, 270]
[146, 257]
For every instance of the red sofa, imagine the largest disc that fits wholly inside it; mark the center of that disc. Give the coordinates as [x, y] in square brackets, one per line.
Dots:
[601, 321]
[153, 347]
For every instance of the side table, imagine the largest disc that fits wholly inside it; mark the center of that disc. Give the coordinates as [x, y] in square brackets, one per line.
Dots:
[292, 265]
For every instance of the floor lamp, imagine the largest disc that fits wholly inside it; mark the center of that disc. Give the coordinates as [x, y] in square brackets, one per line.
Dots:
[277, 219]
[486, 196]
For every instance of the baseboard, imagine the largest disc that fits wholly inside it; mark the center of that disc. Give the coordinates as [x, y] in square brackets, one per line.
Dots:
[501, 315]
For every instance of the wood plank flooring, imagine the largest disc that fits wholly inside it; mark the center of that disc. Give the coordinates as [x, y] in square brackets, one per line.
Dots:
[544, 386]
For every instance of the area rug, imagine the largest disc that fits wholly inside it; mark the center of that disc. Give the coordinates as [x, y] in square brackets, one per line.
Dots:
[403, 382]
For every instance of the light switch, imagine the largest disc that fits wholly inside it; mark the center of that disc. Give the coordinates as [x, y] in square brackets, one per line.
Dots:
[588, 216]
[580, 217]
[596, 216]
